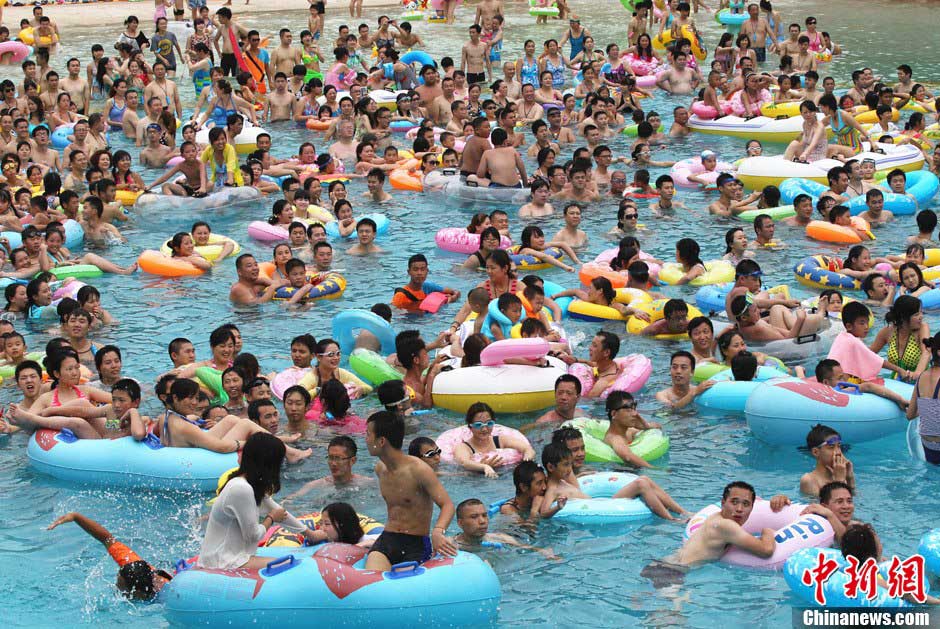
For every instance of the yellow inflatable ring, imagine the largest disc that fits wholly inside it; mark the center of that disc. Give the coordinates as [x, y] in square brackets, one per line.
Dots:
[655, 310]
[283, 538]
[716, 272]
[211, 251]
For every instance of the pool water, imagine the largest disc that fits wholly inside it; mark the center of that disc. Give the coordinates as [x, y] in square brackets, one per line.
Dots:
[64, 578]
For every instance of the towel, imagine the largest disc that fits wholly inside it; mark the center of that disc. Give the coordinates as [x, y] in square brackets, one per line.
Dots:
[855, 357]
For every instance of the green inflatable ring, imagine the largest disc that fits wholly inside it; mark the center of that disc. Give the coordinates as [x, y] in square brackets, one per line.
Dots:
[649, 445]
[8, 371]
[211, 379]
[76, 270]
[776, 213]
[372, 368]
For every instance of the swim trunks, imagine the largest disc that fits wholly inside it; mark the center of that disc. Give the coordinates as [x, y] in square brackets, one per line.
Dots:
[664, 574]
[476, 77]
[493, 184]
[761, 54]
[229, 64]
[196, 4]
[400, 547]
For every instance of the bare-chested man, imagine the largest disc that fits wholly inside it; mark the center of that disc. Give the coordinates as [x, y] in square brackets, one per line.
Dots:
[410, 488]
[280, 102]
[679, 79]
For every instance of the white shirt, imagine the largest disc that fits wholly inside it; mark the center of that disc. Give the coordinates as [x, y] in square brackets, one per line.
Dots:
[234, 530]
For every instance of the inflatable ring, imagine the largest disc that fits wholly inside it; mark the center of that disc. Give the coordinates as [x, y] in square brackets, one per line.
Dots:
[210, 251]
[529, 262]
[507, 388]
[711, 299]
[794, 532]
[830, 232]
[649, 445]
[418, 56]
[371, 367]
[823, 272]
[586, 311]
[156, 263]
[635, 371]
[448, 440]
[127, 198]
[325, 286]
[459, 240]
[280, 537]
[347, 322]
[716, 272]
[780, 110]
[406, 178]
[381, 226]
[654, 309]
[537, 11]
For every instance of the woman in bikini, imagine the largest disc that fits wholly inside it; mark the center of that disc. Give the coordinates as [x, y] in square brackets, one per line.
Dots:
[481, 420]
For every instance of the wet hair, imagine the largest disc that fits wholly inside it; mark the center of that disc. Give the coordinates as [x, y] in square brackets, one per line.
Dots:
[609, 342]
[729, 237]
[860, 541]
[476, 408]
[554, 453]
[346, 522]
[738, 484]
[902, 310]
[104, 351]
[683, 354]
[616, 400]
[138, 578]
[524, 474]
[825, 492]
[335, 398]
[700, 320]
[346, 442]
[824, 369]
[300, 391]
[567, 377]
[473, 346]
[688, 251]
[674, 306]
[818, 434]
[926, 220]
[744, 366]
[414, 448]
[388, 425]
[390, 392]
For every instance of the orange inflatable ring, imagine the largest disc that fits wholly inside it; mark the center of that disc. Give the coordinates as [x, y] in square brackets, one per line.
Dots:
[318, 125]
[591, 270]
[405, 177]
[156, 263]
[829, 232]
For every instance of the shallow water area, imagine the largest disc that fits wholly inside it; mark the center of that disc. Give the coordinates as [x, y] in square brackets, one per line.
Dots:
[64, 578]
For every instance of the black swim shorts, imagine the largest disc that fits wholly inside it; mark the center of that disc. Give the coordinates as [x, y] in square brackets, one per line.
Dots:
[401, 547]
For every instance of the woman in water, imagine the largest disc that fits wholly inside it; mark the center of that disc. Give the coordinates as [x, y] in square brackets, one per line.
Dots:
[329, 357]
[736, 246]
[905, 335]
[489, 242]
[478, 454]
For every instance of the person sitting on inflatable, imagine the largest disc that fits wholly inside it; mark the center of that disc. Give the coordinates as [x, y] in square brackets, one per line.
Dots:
[420, 372]
[136, 579]
[752, 328]
[557, 460]
[625, 424]
[710, 541]
[474, 522]
[680, 394]
[601, 353]
[411, 295]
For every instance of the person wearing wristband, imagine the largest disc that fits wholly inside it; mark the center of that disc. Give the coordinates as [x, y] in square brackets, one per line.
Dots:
[410, 489]
[233, 532]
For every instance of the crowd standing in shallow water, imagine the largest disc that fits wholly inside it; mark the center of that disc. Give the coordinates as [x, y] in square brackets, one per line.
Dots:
[467, 129]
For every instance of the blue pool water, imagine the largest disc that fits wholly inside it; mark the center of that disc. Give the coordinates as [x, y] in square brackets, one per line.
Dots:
[63, 578]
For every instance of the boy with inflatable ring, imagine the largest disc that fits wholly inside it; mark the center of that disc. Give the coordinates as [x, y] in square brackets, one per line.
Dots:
[411, 295]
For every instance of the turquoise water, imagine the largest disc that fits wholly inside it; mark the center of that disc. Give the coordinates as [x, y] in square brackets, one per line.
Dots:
[64, 578]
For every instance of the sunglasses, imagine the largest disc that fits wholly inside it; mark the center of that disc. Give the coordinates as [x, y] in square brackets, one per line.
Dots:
[430, 454]
[482, 425]
[331, 354]
[630, 216]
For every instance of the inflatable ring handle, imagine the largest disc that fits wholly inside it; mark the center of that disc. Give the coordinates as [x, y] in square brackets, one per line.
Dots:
[279, 565]
[404, 570]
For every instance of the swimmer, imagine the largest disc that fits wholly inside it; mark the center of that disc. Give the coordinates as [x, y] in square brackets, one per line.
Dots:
[682, 393]
[570, 234]
[474, 522]
[340, 458]
[713, 538]
[625, 424]
[567, 396]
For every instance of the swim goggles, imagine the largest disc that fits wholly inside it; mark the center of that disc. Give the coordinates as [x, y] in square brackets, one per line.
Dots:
[748, 302]
[430, 454]
[482, 425]
[834, 440]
